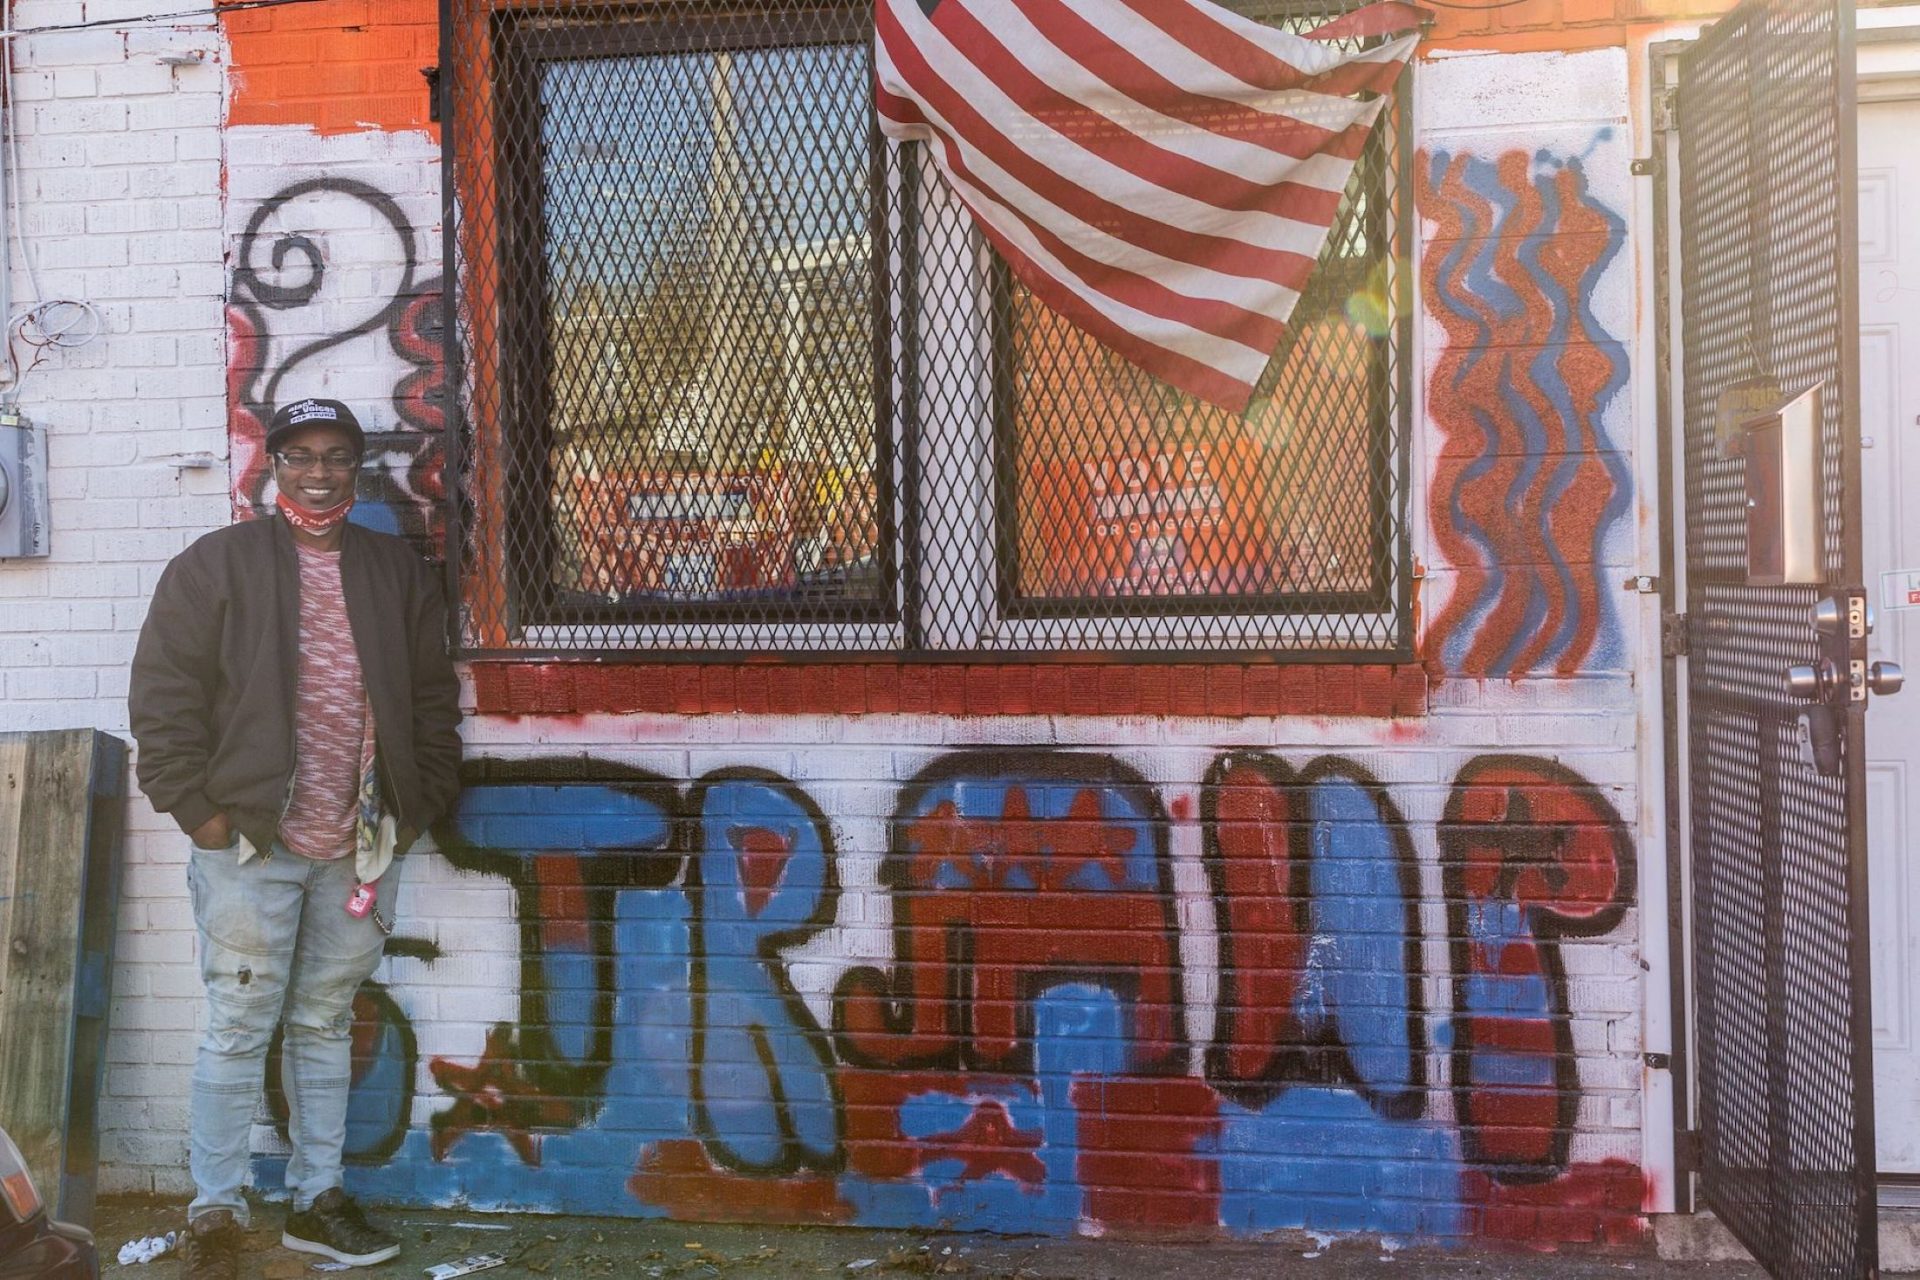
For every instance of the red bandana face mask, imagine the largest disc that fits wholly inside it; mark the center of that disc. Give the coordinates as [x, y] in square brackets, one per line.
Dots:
[308, 520]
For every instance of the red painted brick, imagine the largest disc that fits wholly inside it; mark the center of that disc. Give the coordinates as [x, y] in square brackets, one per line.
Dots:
[685, 682]
[1339, 691]
[1374, 690]
[1509, 1222]
[883, 688]
[983, 690]
[1189, 690]
[820, 690]
[719, 688]
[972, 689]
[916, 689]
[850, 688]
[1410, 691]
[785, 694]
[950, 690]
[651, 690]
[1155, 684]
[1083, 690]
[1568, 1225]
[1226, 691]
[583, 688]
[553, 689]
[1626, 1187]
[1260, 690]
[1049, 690]
[1016, 690]
[1299, 691]
[1120, 690]
[839, 689]
[490, 687]
[616, 695]
[750, 690]
[523, 695]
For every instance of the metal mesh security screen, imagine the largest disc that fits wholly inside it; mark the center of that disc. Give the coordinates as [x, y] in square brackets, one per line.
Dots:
[1785, 1113]
[736, 375]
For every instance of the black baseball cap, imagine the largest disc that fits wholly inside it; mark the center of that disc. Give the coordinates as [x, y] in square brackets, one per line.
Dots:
[289, 418]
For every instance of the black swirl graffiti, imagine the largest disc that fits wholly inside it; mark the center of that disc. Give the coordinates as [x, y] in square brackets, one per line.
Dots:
[287, 297]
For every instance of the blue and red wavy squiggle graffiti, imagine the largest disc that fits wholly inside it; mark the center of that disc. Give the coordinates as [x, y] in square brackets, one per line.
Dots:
[1527, 483]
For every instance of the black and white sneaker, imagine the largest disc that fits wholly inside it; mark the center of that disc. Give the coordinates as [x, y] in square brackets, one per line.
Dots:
[336, 1228]
[210, 1247]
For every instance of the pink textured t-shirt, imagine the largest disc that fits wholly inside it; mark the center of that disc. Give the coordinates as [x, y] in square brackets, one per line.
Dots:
[333, 734]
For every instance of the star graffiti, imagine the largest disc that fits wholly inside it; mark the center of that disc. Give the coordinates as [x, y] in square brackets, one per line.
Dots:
[989, 1142]
[495, 1095]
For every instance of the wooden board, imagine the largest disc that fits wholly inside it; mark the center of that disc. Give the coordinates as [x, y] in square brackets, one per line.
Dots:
[62, 809]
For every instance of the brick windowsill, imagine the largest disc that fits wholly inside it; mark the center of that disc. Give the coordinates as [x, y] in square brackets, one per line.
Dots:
[1229, 690]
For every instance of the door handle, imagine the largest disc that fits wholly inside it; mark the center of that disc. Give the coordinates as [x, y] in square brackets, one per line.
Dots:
[1813, 682]
[1884, 678]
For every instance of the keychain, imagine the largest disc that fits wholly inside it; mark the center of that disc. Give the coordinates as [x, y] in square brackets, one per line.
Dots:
[365, 900]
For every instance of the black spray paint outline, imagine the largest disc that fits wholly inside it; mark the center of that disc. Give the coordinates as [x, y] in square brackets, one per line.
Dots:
[1456, 836]
[1327, 1060]
[581, 1084]
[795, 1155]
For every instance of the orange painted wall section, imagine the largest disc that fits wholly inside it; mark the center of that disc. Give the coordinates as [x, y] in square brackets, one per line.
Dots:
[337, 65]
[1567, 25]
[345, 65]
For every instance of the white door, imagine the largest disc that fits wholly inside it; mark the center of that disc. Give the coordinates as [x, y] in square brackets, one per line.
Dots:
[1890, 473]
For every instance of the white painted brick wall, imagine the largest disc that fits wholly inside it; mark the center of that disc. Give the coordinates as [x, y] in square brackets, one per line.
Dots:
[98, 123]
[121, 199]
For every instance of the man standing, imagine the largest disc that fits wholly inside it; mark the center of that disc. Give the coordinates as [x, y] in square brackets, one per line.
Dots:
[297, 715]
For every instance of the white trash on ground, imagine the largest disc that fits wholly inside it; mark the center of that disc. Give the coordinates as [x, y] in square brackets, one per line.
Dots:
[148, 1248]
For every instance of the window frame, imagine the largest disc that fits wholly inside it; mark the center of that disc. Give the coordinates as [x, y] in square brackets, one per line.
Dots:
[523, 49]
[1355, 627]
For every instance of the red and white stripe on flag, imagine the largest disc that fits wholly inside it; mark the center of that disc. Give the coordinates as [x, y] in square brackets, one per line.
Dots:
[1163, 173]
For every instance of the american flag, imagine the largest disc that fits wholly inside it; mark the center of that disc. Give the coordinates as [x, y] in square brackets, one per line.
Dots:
[1162, 173]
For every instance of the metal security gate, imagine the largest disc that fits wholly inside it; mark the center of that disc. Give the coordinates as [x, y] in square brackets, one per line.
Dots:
[1775, 635]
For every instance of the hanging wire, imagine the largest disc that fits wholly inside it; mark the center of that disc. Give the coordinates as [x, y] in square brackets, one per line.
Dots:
[8, 31]
[49, 323]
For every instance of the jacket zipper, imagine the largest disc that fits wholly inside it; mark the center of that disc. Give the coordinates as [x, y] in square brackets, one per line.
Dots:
[293, 717]
[293, 758]
[379, 764]
[382, 780]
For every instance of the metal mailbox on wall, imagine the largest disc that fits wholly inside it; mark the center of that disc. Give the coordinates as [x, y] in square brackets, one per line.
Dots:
[1786, 510]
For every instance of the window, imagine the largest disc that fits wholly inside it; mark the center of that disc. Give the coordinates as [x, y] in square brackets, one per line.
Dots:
[742, 377]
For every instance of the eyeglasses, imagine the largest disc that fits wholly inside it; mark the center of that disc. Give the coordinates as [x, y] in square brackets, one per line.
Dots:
[306, 460]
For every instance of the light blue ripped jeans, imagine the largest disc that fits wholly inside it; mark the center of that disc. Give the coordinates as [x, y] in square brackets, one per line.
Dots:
[276, 945]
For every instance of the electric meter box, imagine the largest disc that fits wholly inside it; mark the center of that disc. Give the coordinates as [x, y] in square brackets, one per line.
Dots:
[23, 488]
[1786, 511]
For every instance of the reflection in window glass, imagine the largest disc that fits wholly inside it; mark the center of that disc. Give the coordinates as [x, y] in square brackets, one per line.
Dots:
[1115, 487]
[709, 315]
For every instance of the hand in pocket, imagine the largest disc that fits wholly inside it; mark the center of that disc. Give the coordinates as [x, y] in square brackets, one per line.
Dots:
[215, 833]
